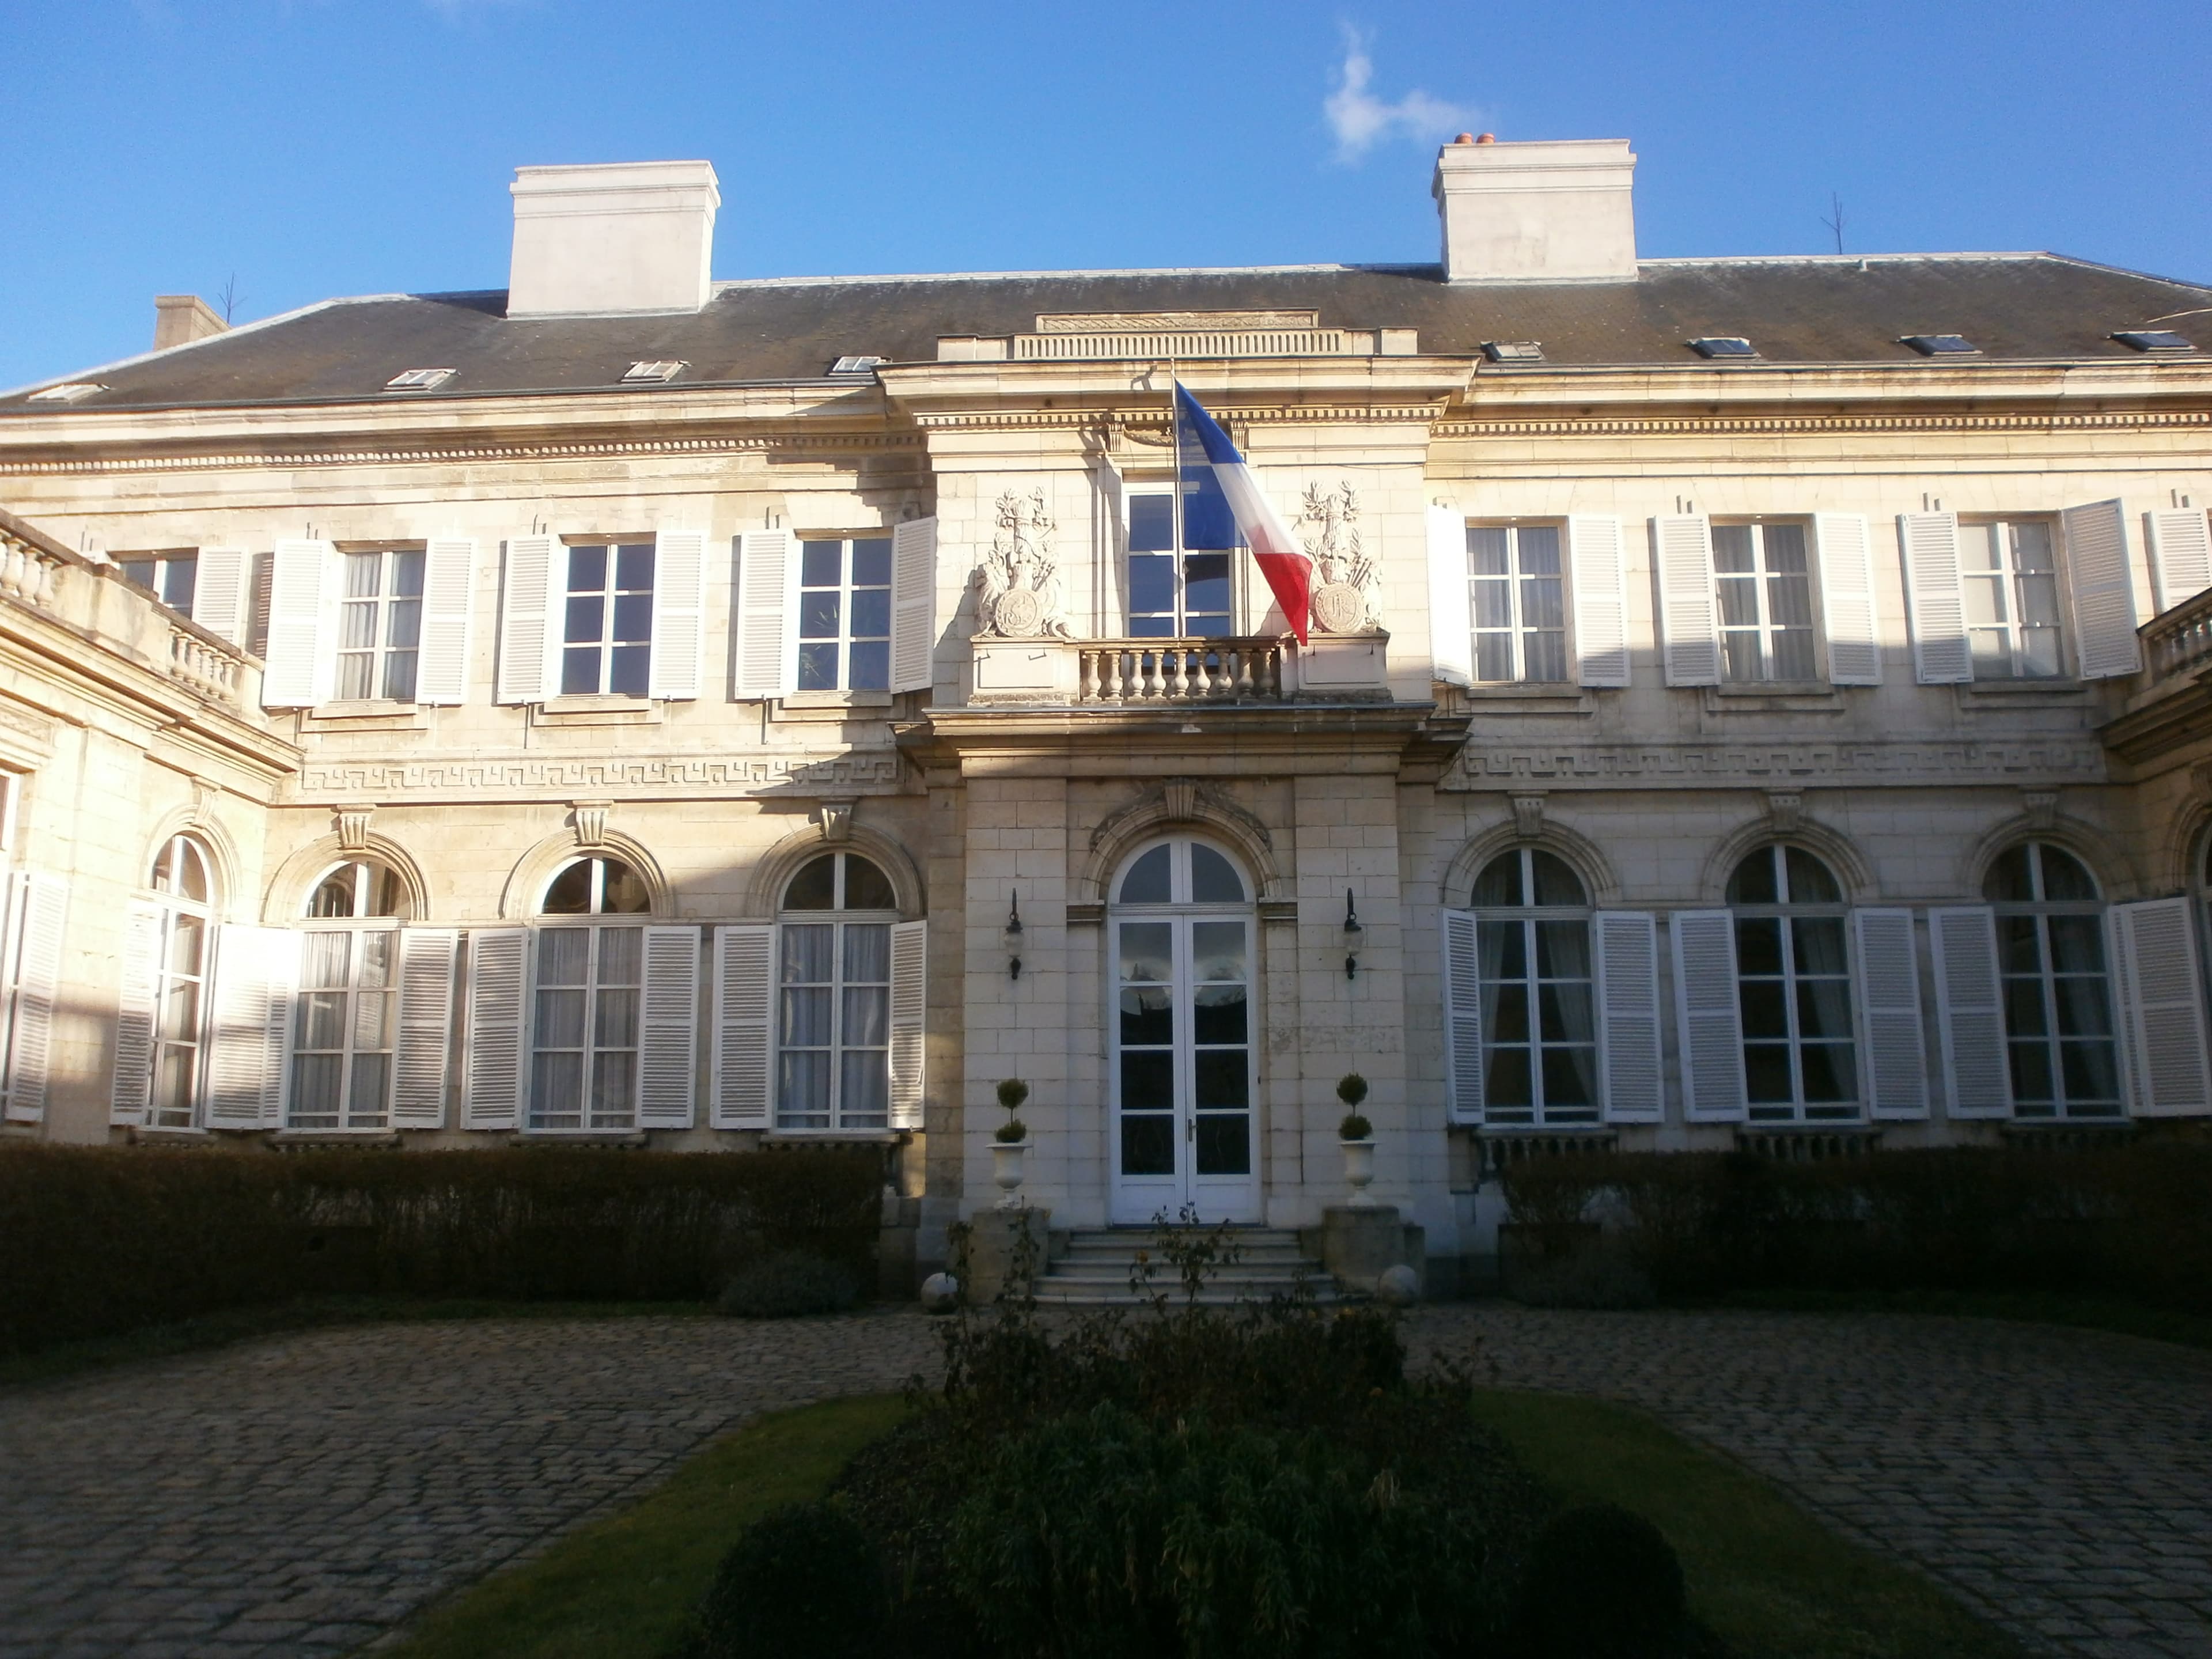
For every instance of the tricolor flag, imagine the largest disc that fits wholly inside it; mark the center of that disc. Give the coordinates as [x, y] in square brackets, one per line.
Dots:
[1220, 497]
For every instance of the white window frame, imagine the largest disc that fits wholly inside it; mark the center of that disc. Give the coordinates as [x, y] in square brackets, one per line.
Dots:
[1788, 912]
[594, 920]
[1163, 490]
[838, 920]
[360, 924]
[164, 563]
[384, 615]
[1517, 628]
[174, 907]
[1765, 629]
[844, 589]
[2045, 978]
[1539, 1113]
[2008, 580]
[609, 594]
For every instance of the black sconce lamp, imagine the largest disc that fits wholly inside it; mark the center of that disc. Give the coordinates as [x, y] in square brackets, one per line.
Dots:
[1351, 932]
[1014, 936]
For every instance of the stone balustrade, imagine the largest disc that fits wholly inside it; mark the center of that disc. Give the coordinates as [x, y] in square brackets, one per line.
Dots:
[2179, 642]
[1230, 669]
[201, 665]
[29, 574]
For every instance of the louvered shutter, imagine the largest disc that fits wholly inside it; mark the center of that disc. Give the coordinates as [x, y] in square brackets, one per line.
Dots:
[528, 610]
[2162, 1000]
[255, 970]
[427, 957]
[140, 961]
[744, 998]
[1451, 619]
[1845, 552]
[1597, 557]
[2103, 589]
[35, 944]
[498, 987]
[1463, 1018]
[1114, 505]
[1713, 1089]
[768, 613]
[220, 582]
[1930, 542]
[668, 1056]
[679, 614]
[1892, 1050]
[1689, 617]
[1970, 1011]
[1628, 1003]
[2181, 553]
[449, 570]
[914, 603]
[910, 1006]
[303, 593]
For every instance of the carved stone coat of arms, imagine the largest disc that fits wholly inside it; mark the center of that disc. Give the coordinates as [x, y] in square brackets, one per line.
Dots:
[1347, 590]
[1018, 588]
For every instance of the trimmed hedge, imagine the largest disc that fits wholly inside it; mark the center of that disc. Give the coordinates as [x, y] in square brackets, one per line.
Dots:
[97, 1241]
[2132, 1221]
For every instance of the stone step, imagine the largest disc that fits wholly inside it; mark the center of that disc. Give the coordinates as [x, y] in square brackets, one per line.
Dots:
[1094, 1265]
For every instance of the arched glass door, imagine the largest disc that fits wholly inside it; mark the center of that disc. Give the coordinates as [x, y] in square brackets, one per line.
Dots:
[1181, 942]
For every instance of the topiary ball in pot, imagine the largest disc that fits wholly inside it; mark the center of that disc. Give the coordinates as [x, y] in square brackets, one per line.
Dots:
[788, 1284]
[803, 1579]
[1601, 1583]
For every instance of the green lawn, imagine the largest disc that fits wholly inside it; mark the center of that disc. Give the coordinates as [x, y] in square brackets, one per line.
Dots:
[1762, 1574]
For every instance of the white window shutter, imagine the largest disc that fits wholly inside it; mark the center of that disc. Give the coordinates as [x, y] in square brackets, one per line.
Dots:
[914, 604]
[2181, 553]
[679, 614]
[427, 956]
[1689, 616]
[1451, 618]
[1893, 1049]
[668, 1057]
[1713, 1089]
[1463, 1018]
[1628, 1004]
[1845, 552]
[449, 572]
[34, 946]
[1113, 548]
[2103, 589]
[529, 609]
[498, 999]
[909, 1009]
[1597, 559]
[1930, 542]
[255, 969]
[221, 584]
[2162, 1003]
[745, 1002]
[768, 613]
[1970, 1011]
[301, 665]
[141, 961]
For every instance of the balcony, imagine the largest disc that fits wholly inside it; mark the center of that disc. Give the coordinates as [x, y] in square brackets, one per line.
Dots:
[2168, 706]
[1229, 671]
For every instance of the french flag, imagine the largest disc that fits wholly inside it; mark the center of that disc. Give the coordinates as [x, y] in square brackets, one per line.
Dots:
[1221, 498]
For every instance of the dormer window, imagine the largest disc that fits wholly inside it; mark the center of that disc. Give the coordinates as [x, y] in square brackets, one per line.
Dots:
[1941, 345]
[856, 365]
[418, 380]
[662, 368]
[68, 392]
[2157, 341]
[1723, 345]
[1514, 351]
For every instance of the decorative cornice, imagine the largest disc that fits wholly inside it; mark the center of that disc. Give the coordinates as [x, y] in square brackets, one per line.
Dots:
[1026, 419]
[1601, 426]
[426, 455]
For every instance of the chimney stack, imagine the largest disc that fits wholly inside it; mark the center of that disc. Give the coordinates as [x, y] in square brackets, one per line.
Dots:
[624, 237]
[1558, 211]
[181, 318]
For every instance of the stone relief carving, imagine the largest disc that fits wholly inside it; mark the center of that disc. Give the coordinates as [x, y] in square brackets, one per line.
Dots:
[1017, 590]
[1347, 593]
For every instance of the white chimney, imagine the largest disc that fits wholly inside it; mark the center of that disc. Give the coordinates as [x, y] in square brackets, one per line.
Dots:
[1549, 212]
[631, 236]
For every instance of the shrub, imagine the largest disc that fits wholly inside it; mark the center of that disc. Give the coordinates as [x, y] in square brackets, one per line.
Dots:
[1012, 1091]
[787, 1283]
[1601, 1583]
[1352, 1089]
[804, 1579]
[1354, 1127]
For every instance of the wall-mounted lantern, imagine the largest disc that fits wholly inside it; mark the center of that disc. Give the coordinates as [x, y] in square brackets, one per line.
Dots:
[1351, 932]
[1014, 936]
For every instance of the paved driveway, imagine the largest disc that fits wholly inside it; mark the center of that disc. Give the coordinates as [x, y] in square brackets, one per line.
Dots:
[298, 1496]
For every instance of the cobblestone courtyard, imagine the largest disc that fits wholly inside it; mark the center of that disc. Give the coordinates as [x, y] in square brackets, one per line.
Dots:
[299, 1495]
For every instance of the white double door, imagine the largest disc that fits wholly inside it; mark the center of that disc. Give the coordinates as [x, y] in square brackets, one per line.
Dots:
[1183, 1133]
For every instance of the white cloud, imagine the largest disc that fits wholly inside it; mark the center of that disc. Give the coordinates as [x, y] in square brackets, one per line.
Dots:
[1360, 119]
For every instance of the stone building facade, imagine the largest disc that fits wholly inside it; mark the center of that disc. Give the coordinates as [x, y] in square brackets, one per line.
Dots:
[1754, 702]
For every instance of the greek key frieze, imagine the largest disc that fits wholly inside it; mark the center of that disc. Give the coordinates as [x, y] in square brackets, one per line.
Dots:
[1933, 762]
[392, 781]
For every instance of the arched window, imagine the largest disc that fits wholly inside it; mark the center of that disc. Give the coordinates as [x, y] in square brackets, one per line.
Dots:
[597, 887]
[183, 882]
[2058, 992]
[585, 1029]
[1793, 988]
[834, 977]
[345, 1017]
[1539, 1023]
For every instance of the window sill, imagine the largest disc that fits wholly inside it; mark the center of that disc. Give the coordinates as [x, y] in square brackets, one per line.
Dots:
[367, 715]
[1528, 697]
[1774, 697]
[2020, 694]
[141, 1137]
[834, 706]
[827, 1137]
[286, 1138]
[597, 711]
[633, 1138]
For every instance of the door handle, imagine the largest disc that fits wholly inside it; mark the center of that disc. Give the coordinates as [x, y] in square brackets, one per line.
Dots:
[1190, 1128]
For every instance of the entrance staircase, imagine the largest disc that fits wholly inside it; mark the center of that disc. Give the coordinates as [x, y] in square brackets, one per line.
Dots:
[1093, 1271]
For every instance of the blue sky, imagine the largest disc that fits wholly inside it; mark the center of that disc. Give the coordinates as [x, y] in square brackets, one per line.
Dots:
[305, 148]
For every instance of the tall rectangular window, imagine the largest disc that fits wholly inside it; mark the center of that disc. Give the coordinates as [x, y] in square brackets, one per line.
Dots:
[845, 615]
[2009, 575]
[585, 1038]
[169, 577]
[346, 1015]
[381, 624]
[833, 1026]
[1169, 597]
[607, 632]
[1519, 604]
[1764, 580]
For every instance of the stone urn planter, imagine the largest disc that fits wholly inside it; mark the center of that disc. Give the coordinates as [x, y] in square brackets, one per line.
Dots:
[1006, 1171]
[1358, 1170]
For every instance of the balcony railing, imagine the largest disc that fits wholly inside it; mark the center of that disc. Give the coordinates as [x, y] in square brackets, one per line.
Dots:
[2179, 642]
[1229, 670]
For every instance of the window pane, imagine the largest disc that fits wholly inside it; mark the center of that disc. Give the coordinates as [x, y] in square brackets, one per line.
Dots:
[1741, 662]
[634, 568]
[1547, 656]
[1213, 879]
[399, 676]
[1509, 1022]
[357, 626]
[1147, 1144]
[1570, 1078]
[580, 672]
[1793, 655]
[2083, 1009]
[1758, 944]
[1542, 604]
[1493, 658]
[871, 613]
[864, 1081]
[1766, 1071]
[407, 575]
[1786, 548]
[629, 670]
[1223, 1144]
[872, 562]
[614, 1020]
[1831, 1071]
[2031, 547]
[322, 1020]
[814, 888]
[187, 944]
[1152, 584]
[1732, 547]
[821, 615]
[1739, 599]
[1151, 524]
[2091, 1072]
[821, 564]
[1818, 945]
[614, 1091]
[1146, 948]
[1499, 886]
[1147, 1016]
[1765, 1011]
[803, 1089]
[622, 891]
[1811, 881]
[807, 1018]
[2032, 1079]
[870, 667]
[587, 569]
[1488, 550]
[1507, 1081]
[2077, 945]
[1218, 1014]
[365, 1105]
[808, 954]
[324, 958]
[585, 621]
[563, 954]
[1147, 1081]
[1978, 547]
[1493, 604]
[1983, 599]
[1205, 586]
[818, 668]
[866, 887]
[2064, 876]
[1539, 549]
[569, 895]
[633, 618]
[1223, 1078]
[1824, 1008]
[868, 954]
[315, 1080]
[1217, 951]
[559, 1022]
[1147, 880]
[1563, 951]
[1555, 883]
[2008, 880]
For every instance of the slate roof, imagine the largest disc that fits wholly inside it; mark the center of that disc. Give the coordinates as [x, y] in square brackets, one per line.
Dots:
[1828, 310]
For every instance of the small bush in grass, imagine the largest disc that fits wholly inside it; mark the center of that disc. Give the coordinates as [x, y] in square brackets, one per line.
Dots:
[804, 1580]
[1601, 1583]
[786, 1285]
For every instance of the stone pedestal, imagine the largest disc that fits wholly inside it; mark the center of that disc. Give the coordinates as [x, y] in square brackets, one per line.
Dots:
[995, 1247]
[1359, 1244]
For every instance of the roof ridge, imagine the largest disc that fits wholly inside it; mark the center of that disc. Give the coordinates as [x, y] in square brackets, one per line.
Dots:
[45, 380]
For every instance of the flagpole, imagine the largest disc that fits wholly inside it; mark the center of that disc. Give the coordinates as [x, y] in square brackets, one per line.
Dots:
[1174, 495]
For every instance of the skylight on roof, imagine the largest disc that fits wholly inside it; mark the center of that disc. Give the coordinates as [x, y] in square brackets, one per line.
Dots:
[2154, 339]
[1941, 345]
[663, 368]
[417, 380]
[856, 365]
[1514, 351]
[67, 392]
[1723, 345]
